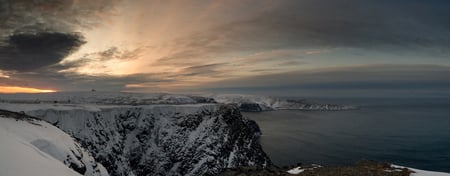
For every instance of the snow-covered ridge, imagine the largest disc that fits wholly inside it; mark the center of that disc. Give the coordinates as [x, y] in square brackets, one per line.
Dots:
[33, 147]
[164, 139]
[103, 98]
[265, 103]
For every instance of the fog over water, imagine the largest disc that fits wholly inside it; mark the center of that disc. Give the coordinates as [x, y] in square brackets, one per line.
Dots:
[411, 132]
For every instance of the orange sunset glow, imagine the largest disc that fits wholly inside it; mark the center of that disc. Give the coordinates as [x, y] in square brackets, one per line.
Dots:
[11, 89]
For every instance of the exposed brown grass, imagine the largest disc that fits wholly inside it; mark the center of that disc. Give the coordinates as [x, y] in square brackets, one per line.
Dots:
[362, 168]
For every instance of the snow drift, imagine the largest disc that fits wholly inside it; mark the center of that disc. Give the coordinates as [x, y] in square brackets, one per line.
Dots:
[33, 147]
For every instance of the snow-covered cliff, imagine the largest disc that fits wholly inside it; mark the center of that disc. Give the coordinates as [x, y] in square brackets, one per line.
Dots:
[33, 147]
[191, 139]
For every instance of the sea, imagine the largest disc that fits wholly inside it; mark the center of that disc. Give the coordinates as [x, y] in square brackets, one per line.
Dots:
[413, 132]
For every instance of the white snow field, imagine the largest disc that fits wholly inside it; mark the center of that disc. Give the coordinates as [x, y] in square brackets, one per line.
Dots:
[34, 147]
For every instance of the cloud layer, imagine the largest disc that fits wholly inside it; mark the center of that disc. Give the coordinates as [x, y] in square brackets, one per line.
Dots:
[353, 81]
[179, 45]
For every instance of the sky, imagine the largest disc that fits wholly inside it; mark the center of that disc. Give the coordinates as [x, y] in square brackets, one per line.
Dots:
[269, 47]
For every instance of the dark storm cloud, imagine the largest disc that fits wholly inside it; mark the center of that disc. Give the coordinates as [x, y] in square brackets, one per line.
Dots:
[369, 80]
[38, 33]
[25, 52]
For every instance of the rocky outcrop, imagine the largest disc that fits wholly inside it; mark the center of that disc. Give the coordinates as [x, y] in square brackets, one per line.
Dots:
[250, 107]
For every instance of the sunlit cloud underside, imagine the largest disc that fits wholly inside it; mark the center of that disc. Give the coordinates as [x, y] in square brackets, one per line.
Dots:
[7, 89]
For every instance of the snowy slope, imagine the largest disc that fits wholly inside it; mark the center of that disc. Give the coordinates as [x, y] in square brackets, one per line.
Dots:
[191, 139]
[34, 147]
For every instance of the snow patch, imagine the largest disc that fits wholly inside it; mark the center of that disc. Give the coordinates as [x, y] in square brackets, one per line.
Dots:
[296, 170]
[418, 172]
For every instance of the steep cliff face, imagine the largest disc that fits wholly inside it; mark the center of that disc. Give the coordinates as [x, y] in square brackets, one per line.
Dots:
[200, 139]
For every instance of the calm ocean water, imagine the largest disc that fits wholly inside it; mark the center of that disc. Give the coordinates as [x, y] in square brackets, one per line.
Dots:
[410, 132]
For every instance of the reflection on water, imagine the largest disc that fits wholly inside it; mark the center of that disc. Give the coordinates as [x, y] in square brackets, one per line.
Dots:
[411, 132]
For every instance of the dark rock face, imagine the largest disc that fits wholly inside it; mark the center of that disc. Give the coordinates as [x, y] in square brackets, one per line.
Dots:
[16, 115]
[250, 107]
[80, 169]
[200, 99]
[165, 140]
